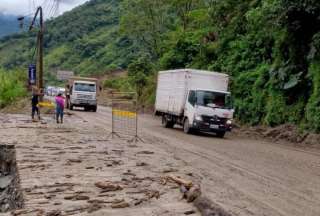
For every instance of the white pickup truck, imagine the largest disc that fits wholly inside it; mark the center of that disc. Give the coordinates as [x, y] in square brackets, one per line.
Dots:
[82, 92]
[197, 100]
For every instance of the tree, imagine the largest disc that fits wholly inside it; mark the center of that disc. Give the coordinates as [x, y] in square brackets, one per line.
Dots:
[138, 72]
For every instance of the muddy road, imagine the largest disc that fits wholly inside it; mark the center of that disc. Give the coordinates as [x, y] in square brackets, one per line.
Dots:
[245, 176]
[60, 165]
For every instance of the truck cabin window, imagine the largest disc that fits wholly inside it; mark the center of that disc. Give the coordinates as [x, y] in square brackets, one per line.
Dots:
[192, 98]
[213, 99]
[84, 87]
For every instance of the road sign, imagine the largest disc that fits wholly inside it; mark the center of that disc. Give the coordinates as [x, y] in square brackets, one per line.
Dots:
[64, 75]
[32, 74]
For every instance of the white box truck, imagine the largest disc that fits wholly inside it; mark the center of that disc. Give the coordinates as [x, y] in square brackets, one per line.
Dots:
[198, 100]
[82, 92]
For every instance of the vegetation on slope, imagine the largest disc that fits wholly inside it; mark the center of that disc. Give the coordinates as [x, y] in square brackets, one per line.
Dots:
[12, 86]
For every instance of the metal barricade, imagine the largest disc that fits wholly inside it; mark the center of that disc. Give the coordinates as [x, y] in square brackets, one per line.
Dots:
[125, 115]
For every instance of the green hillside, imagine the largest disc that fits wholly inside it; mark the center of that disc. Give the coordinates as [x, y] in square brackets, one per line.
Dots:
[84, 40]
[270, 48]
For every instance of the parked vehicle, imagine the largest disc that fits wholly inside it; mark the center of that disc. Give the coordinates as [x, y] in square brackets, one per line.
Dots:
[82, 92]
[197, 100]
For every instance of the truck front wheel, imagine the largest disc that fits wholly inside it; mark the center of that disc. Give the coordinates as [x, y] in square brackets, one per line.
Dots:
[186, 126]
[71, 106]
[94, 108]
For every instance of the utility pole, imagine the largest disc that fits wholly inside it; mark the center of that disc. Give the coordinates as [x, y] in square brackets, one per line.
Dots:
[40, 83]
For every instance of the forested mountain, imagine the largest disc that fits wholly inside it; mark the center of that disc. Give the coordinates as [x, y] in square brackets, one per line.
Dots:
[270, 48]
[8, 25]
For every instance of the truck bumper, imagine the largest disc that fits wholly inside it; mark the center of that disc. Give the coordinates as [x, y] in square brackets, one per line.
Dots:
[207, 127]
[84, 102]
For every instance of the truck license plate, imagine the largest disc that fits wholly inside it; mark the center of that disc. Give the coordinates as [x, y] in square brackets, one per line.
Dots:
[214, 126]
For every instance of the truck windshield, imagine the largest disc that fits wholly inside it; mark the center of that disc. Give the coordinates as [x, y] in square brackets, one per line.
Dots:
[85, 87]
[214, 99]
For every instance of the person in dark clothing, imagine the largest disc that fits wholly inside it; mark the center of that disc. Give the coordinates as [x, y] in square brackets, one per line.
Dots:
[34, 104]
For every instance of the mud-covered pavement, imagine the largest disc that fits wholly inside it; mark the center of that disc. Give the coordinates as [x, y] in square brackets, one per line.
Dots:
[73, 169]
[60, 166]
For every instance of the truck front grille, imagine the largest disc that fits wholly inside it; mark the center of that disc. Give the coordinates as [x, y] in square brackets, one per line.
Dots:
[84, 97]
[214, 120]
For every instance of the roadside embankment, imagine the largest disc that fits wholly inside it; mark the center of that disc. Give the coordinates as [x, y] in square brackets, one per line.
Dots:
[10, 193]
[283, 133]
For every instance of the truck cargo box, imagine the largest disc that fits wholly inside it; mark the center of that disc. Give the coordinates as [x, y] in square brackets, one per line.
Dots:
[174, 85]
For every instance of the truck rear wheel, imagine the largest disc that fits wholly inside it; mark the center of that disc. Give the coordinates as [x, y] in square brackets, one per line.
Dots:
[186, 126]
[166, 123]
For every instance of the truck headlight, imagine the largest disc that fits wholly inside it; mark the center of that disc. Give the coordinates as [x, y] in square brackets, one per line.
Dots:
[198, 118]
[229, 122]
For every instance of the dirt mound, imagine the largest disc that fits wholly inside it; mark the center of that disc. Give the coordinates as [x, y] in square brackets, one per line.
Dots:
[21, 106]
[289, 133]
[312, 140]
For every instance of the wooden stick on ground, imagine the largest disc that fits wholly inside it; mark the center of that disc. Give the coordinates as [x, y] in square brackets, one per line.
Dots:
[188, 184]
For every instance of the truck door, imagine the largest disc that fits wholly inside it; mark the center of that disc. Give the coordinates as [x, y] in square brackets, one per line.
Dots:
[190, 106]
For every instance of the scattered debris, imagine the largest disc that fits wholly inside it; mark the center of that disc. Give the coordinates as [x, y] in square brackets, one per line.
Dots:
[169, 170]
[76, 197]
[74, 161]
[122, 204]
[141, 164]
[193, 193]
[108, 186]
[94, 207]
[190, 212]
[208, 208]
[90, 167]
[153, 194]
[54, 213]
[129, 173]
[145, 152]
[186, 183]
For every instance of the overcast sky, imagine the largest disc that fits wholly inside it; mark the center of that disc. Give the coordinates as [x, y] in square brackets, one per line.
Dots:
[23, 7]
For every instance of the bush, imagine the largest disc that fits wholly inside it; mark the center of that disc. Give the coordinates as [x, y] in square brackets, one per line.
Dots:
[119, 83]
[313, 106]
[11, 87]
[249, 91]
[275, 109]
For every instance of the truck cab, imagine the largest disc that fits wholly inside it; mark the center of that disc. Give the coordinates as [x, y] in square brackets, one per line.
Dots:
[82, 92]
[208, 111]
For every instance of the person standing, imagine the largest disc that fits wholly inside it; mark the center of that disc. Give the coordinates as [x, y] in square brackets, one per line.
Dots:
[59, 108]
[35, 105]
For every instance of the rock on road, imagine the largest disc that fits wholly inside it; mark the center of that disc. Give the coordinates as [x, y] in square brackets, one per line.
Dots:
[245, 176]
